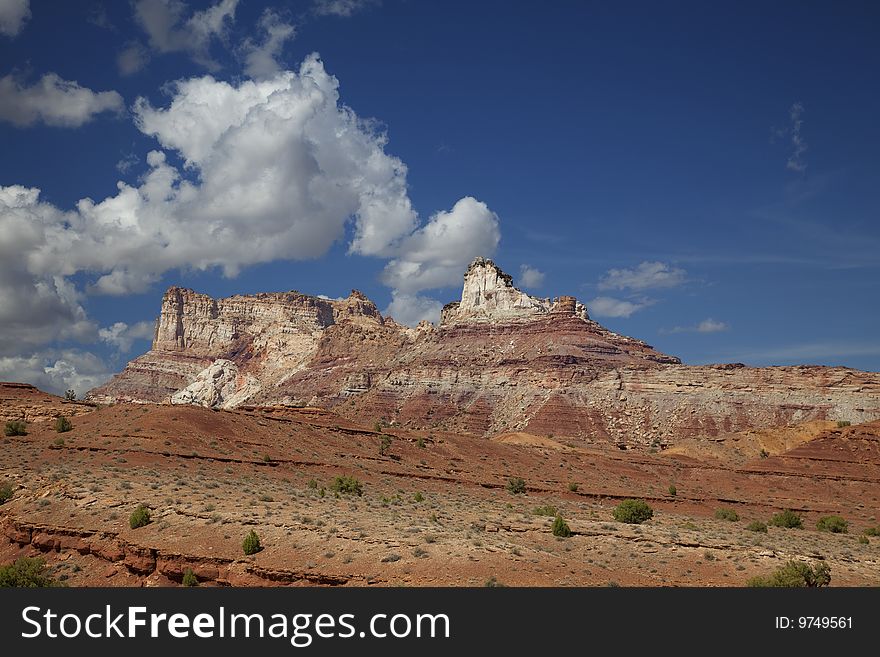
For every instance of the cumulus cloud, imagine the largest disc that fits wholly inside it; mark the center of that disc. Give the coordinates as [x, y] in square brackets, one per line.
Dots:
[611, 307]
[708, 325]
[530, 277]
[56, 371]
[122, 336]
[343, 8]
[436, 254]
[169, 30]
[133, 58]
[411, 309]
[273, 169]
[53, 101]
[647, 275]
[261, 59]
[13, 15]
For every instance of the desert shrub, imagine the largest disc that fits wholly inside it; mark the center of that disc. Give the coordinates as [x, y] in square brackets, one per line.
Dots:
[864, 540]
[377, 426]
[26, 572]
[418, 497]
[493, 582]
[633, 512]
[15, 428]
[347, 485]
[62, 424]
[189, 578]
[313, 485]
[70, 395]
[788, 519]
[573, 487]
[420, 443]
[546, 510]
[796, 574]
[561, 528]
[251, 544]
[725, 513]
[5, 492]
[58, 442]
[833, 524]
[843, 423]
[516, 485]
[872, 531]
[673, 490]
[384, 444]
[139, 517]
[757, 526]
[764, 453]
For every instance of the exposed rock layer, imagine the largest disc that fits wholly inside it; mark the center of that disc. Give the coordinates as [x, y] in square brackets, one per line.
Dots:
[500, 360]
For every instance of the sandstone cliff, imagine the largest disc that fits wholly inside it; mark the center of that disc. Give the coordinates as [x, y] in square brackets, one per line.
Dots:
[499, 360]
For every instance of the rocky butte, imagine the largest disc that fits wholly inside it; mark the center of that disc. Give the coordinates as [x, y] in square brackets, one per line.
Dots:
[500, 360]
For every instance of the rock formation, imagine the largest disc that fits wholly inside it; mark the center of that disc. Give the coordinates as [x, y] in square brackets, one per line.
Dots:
[499, 360]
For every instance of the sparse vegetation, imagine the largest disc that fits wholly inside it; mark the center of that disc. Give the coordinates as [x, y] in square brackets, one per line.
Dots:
[5, 492]
[843, 423]
[673, 490]
[313, 484]
[15, 428]
[418, 497]
[757, 526]
[561, 528]
[26, 572]
[864, 540]
[833, 524]
[70, 395]
[573, 487]
[189, 578]
[58, 442]
[787, 519]
[725, 513]
[516, 486]
[347, 485]
[796, 574]
[251, 544]
[140, 517]
[420, 443]
[62, 424]
[546, 510]
[384, 444]
[492, 582]
[764, 453]
[633, 512]
[872, 531]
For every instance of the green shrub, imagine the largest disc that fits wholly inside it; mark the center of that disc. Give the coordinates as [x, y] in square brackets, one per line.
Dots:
[420, 443]
[561, 528]
[757, 526]
[62, 424]
[872, 531]
[189, 578]
[573, 487]
[633, 512]
[140, 517]
[26, 572]
[70, 395]
[384, 444]
[347, 485]
[58, 442]
[796, 574]
[788, 519]
[843, 423]
[673, 490]
[492, 582]
[764, 453]
[418, 497]
[546, 510]
[516, 485]
[5, 492]
[833, 524]
[313, 485]
[725, 513]
[864, 540]
[251, 544]
[15, 428]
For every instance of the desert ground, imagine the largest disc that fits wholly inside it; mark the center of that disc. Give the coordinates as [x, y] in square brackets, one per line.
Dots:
[435, 508]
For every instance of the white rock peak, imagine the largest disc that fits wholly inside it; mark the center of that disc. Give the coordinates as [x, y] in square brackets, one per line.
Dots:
[488, 294]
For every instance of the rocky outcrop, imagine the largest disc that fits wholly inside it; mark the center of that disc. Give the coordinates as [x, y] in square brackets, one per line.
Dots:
[22, 401]
[500, 360]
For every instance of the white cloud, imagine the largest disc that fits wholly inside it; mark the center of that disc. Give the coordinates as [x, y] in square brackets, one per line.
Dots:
[56, 371]
[410, 309]
[261, 60]
[13, 15]
[169, 31]
[796, 161]
[53, 101]
[530, 277]
[646, 276]
[132, 59]
[611, 307]
[122, 336]
[436, 254]
[342, 8]
[708, 325]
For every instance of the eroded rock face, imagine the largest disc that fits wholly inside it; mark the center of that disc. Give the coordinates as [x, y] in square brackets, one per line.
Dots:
[500, 360]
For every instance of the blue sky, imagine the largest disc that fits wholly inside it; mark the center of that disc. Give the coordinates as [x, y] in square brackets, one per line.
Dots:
[703, 176]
